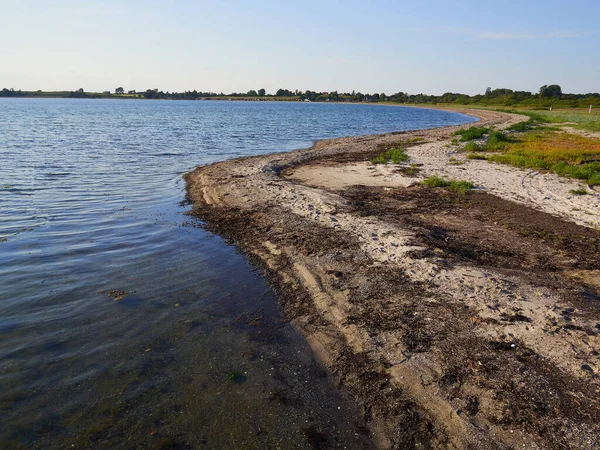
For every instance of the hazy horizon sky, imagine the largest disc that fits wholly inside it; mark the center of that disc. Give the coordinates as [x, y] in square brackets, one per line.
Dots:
[429, 46]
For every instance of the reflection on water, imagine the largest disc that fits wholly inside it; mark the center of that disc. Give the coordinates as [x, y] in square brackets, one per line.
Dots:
[196, 353]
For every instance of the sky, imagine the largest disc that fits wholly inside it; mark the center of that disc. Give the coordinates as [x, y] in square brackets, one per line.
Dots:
[425, 46]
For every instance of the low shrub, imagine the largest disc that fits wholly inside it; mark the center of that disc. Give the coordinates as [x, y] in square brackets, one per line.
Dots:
[497, 141]
[395, 155]
[521, 126]
[459, 186]
[473, 147]
[435, 181]
[379, 159]
[471, 133]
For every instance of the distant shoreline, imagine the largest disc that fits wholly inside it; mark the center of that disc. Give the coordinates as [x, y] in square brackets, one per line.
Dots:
[499, 98]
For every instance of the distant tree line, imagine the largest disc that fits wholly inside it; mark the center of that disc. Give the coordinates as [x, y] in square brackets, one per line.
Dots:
[548, 95]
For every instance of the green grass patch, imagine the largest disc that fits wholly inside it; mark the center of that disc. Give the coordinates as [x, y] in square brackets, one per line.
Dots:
[521, 126]
[577, 117]
[469, 134]
[497, 141]
[477, 156]
[395, 155]
[579, 191]
[535, 121]
[473, 147]
[435, 181]
[460, 186]
[590, 172]
[379, 159]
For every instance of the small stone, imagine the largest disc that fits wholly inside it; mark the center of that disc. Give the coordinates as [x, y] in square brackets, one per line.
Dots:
[587, 369]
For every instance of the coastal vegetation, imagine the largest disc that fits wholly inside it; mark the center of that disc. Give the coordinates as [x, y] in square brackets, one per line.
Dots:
[579, 191]
[459, 186]
[473, 147]
[395, 155]
[534, 144]
[471, 133]
[476, 156]
[565, 154]
[580, 119]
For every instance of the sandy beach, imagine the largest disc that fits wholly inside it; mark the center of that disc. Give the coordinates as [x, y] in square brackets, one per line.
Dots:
[452, 321]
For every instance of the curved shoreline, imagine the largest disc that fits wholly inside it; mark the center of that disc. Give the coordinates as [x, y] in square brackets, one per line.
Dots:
[388, 310]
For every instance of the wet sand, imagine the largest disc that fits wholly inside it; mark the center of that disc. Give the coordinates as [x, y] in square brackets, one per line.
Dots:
[453, 321]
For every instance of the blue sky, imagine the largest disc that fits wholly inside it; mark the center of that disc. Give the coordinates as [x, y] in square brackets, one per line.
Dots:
[429, 46]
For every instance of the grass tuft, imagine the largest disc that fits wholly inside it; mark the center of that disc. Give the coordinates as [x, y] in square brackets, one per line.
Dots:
[477, 156]
[497, 141]
[469, 134]
[395, 155]
[435, 181]
[459, 186]
[455, 162]
[521, 126]
[473, 147]
[579, 191]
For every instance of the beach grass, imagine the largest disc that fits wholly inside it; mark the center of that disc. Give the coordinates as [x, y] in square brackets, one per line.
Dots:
[566, 154]
[579, 191]
[395, 155]
[578, 118]
[436, 181]
[497, 141]
[477, 156]
[459, 186]
[541, 143]
[469, 134]
[473, 147]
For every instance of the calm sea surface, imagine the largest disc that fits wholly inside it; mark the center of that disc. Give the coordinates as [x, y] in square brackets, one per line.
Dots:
[197, 355]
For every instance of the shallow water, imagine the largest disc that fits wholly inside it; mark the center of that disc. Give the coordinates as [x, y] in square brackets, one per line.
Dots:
[197, 354]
